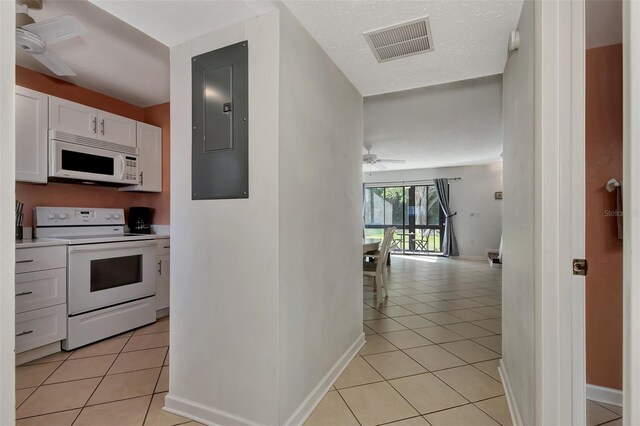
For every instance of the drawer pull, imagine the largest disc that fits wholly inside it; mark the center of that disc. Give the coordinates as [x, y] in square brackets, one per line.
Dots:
[24, 261]
[167, 246]
[24, 293]
[24, 332]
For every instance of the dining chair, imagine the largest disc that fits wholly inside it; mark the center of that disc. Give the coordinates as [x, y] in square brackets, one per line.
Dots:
[422, 244]
[378, 268]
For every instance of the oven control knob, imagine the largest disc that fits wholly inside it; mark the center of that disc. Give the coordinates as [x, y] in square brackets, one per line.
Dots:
[116, 216]
[62, 215]
[107, 216]
[52, 216]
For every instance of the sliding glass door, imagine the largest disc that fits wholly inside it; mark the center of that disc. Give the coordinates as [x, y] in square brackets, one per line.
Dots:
[415, 212]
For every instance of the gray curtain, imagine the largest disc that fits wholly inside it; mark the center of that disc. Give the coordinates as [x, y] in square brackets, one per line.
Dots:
[449, 242]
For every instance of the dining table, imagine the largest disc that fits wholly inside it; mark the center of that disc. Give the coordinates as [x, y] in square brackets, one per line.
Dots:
[370, 244]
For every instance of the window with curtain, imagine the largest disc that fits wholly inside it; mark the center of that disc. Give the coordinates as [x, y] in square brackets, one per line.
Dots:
[414, 210]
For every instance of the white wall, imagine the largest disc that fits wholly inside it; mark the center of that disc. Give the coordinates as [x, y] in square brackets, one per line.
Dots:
[7, 218]
[446, 125]
[478, 224]
[224, 260]
[267, 292]
[320, 202]
[518, 327]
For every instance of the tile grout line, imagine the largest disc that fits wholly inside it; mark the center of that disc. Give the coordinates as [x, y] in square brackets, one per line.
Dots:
[155, 387]
[347, 404]
[399, 393]
[88, 378]
[102, 379]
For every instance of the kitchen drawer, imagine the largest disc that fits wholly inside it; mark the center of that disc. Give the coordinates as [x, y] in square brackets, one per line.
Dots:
[41, 327]
[35, 290]
[40, 258]
[163, 246]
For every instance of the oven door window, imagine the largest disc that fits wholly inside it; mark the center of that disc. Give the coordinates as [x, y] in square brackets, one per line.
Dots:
[87, 163]
[115, 272]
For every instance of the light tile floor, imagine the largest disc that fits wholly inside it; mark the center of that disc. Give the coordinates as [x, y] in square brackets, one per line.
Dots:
[430, 358]
[431, 353]
[118, 381]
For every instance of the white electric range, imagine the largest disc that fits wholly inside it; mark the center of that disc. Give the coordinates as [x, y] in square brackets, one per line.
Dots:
[111, 275]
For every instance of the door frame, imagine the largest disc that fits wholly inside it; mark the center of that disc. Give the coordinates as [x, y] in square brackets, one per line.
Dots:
[560, 396]
[7, 208]
[631, 202]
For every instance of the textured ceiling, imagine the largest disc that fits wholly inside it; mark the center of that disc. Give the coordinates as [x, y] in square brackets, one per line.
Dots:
[111, 57]
[175, 21]
[452, 124]
[470, 39]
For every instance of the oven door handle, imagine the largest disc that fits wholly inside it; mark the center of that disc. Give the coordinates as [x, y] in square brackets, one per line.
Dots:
[111, 246]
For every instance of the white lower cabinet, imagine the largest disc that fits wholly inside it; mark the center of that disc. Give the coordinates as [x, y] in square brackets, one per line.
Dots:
[41, 327]
[162, 281]
[162, 295]
[41, 298]
[40, 289]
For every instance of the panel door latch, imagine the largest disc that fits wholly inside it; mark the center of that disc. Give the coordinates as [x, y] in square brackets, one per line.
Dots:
[227, 107]
[580, 266]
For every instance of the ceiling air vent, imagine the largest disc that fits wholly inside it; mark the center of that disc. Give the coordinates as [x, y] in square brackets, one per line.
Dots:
[399, 41]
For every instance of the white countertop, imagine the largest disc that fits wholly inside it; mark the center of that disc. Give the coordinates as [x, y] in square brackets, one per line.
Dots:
[39, 242]
[50, 242]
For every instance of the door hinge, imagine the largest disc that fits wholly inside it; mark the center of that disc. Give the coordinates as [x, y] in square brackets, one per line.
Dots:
[580, 266]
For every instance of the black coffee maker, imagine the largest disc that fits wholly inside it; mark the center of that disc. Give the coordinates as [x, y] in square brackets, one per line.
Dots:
[140, 220]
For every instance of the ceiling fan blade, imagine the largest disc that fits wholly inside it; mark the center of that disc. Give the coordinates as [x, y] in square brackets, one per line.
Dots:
[31, 4]
[23, 19]
[379, 166]
[54, 63]
[57, 29]
[386, 160]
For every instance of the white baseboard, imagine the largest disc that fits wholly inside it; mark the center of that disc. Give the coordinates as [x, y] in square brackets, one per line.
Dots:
[202, 413]
[312, 400]
[211, 416]
[606, 395]
[464, 257]
[508, 391]
[37, 353]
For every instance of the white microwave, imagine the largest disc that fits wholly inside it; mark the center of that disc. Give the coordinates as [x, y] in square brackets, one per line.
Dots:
[68, 160]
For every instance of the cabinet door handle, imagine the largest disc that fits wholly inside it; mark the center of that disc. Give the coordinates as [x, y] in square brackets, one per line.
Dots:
[95, 124]
[167, 246]
[102, 126]
[24, 261]
[160, 267]
[24, 332]
[141, 178]
[24, 293]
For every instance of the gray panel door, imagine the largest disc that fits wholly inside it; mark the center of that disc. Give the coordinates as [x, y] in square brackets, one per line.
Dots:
[220, 144]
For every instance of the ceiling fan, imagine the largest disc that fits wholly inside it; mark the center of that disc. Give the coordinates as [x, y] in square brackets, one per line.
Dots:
[35, 38]
[373, 160]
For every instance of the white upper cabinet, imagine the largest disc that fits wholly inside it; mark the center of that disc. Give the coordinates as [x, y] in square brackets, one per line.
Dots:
[81, 120]
[74, 118]
[31, 135]
[116, 129]
[149, 159]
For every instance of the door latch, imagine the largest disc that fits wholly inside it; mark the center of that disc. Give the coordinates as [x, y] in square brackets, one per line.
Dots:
[580, 266]
[226, 107]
